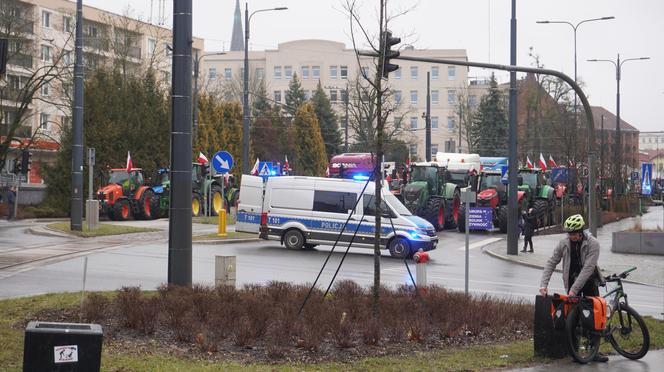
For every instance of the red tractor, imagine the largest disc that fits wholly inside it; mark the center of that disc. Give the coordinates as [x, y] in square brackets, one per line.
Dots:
[125, 195]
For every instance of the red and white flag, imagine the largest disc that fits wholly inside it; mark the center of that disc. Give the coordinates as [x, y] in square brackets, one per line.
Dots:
[202, 159]
[542, 162]
[529, 164]
[254, 170]
[552, 163]
[286, 167]
[408, 161]
[130, 165]
[327, 171]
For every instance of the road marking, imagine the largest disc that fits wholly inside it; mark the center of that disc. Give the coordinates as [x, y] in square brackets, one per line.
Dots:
[481, 243]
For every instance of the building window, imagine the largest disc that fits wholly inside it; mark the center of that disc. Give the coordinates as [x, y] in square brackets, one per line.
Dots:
[333, 72]
[167, 49]
[44, 90]
[434, 150]
[397, 96]
[212, 73]
[413, 97]
[277, 72]
[451, 96]
[46, 53]
[305, 72]
[315, 72]
[451, 72]
[66, 121]
[397, 73]
[397, 122]
[434, 72]
[152, 45]
[333, 95]
[435, 99]
[413, 72]
[260, 73]
[46, 19]
[449, 146]
[228, 73]
[434, 122]
[413, 150]
[67, 24]
[451, 124]
[413, 122]
[277, 95]
[288, 71]
[344, 72]
[43, 121]
[365, 71]
[472, 100]
[344, 95]
[307, 94]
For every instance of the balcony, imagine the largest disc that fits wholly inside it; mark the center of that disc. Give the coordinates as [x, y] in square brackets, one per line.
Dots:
[20, 59]
[95, 43]
[134, 52]
[24, 27]
[11, 94]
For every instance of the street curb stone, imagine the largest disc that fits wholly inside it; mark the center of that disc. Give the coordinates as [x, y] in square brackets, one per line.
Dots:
[225, 241]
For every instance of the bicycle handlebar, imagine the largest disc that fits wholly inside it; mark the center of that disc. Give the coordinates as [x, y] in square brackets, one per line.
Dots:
[623, 275]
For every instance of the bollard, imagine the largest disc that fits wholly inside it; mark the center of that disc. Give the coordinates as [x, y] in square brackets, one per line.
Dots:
[222, 223]
[224, 270]
[421, 258]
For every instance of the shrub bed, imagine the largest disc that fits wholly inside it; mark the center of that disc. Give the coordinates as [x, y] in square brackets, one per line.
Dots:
[261, 323]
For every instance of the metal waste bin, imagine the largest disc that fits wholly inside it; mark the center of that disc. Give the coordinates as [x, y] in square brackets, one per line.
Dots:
[60, 347]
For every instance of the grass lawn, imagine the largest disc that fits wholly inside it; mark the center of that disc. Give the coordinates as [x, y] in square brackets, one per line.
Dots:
[230, 235]
[214, 220]
[117, 358]
[101, 230]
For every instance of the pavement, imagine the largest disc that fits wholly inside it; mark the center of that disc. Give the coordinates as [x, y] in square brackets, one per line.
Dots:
[650, 268]
[648, 363]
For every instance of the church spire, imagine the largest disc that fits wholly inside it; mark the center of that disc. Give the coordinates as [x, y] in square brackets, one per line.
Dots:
[237, 40]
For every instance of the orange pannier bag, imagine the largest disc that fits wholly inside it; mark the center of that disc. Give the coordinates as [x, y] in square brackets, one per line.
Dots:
[559, 310]
[593, 312]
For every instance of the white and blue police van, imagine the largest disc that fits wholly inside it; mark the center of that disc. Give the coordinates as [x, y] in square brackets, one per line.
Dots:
[302, 212]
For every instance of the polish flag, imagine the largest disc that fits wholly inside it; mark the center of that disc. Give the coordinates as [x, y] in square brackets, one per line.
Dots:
[542, 163]
[254, 170]
[130, 165]
[202, 159]
[529, 164]
[286, 167]
[327, 171]
[552, 163]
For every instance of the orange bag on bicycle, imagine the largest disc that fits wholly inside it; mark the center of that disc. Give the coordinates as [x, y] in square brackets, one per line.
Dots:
[559, 310]
[593, 312]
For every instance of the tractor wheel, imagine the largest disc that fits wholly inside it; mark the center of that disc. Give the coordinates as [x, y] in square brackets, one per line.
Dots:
[434, 212]
[196, 205]
[502, 218]
[540, 207]
[145, 206]
[454, 205]
[121, 210]
[157, 212]
[217, 200]
[461, 221]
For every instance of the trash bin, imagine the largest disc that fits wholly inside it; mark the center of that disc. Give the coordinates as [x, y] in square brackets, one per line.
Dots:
[548, 341]
[60, 347]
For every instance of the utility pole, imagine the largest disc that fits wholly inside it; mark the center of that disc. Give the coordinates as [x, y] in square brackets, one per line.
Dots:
[427, 121]
[245, 95]
[179, 224]
[76, 219]
[512, 208]
[460, 122]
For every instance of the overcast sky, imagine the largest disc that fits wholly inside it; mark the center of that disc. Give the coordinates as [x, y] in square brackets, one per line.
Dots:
[479, 26]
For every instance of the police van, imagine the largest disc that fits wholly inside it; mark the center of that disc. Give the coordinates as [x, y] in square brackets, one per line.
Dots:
[302, 212]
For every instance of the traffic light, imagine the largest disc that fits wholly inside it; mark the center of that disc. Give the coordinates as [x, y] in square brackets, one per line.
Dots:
[387, 41]
[25, 161]
[4, 51]
[17, 167]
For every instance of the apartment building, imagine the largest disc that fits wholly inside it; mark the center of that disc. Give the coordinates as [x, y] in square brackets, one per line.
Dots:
[651, 140]
[335, 66]
[41, 34]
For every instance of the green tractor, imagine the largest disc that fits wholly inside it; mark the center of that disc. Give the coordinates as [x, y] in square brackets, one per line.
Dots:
[540, 196]
[431, 194]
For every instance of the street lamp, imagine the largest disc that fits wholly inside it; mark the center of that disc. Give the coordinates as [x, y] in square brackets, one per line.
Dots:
[245, 92]
[618, 65]
[197, 61]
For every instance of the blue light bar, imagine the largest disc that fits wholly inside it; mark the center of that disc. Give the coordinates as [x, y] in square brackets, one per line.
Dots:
[360, 177]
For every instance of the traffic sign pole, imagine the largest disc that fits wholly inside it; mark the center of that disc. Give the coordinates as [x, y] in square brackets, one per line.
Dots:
[467, 242]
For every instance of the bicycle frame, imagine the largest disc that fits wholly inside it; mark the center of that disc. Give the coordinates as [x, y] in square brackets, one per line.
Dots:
[619, 295]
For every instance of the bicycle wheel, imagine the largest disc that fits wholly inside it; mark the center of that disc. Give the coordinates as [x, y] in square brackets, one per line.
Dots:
[628, 332]
[583, 343]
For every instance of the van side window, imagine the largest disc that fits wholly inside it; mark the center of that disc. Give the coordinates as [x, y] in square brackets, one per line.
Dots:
[370, 206]
[334, 201]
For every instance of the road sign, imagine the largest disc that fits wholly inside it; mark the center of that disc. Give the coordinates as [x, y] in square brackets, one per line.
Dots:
[559, 175]
[222, 162]
[646, 179]
[634, 176]
[503, 174]
[480, 218]
[265, 169]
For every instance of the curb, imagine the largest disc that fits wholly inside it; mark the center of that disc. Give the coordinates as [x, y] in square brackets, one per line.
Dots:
[225, 241]
[536, 266]
[49, 232]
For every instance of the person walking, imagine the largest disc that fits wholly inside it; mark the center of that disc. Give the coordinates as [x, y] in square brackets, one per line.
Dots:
[529, 221]
[579, 252]
[11, 200]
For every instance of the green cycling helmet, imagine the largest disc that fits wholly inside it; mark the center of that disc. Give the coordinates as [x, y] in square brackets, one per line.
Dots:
[574, 223]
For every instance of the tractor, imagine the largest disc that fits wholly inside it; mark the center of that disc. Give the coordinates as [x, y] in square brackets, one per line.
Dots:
[431, 194]
[541, 197]
[125, 195]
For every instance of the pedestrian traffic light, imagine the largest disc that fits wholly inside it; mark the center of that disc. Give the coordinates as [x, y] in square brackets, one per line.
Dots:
[17, 167]
[387, 41]
[26, 161]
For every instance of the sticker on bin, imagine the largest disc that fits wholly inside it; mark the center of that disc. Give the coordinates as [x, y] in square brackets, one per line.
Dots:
[66, 354]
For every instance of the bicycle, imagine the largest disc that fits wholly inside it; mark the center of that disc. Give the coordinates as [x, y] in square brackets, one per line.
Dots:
[625, 328]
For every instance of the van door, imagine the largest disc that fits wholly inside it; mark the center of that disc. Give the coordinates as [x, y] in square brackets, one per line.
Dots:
[250, 204]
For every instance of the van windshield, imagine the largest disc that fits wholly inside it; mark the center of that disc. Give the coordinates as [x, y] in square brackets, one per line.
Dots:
[396, 205]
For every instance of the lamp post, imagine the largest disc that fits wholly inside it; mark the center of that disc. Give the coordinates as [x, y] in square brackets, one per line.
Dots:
[245, 90]
[618, 181]
[197, 61]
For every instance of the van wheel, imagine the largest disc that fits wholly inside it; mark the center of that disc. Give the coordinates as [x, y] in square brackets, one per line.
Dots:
[293, 239]
[399, 248]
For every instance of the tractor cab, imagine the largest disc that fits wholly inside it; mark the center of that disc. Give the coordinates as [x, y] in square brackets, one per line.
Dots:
[128, 181]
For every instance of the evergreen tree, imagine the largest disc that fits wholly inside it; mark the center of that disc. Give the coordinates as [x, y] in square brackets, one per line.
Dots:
[310, 159]
[488, 131]
[260, 105]
[294, 96]
[327, 121]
